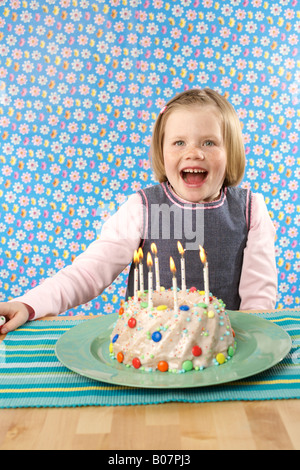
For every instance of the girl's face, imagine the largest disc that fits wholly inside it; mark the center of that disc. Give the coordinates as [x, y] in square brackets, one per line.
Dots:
[194, 153]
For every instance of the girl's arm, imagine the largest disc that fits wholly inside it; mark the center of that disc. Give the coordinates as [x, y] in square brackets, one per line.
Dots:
[93, 270]
[258, 284]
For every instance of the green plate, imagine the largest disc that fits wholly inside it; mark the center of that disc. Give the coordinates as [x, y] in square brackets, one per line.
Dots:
[260, 345]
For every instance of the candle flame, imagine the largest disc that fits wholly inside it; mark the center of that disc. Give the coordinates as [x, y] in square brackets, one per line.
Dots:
[136, 257]
[172, 265]
[149, 260]
[202, 254]
[140, 254]
[153, 248]
[180, 248]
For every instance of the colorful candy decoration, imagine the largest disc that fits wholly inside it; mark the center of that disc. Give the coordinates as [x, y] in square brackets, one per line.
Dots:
[196, 351]
[120, 357]
[136, 363]
[132, 322]
[156, 336]
[163, 366]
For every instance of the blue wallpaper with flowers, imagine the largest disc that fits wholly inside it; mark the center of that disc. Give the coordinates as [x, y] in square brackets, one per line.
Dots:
[81, 82]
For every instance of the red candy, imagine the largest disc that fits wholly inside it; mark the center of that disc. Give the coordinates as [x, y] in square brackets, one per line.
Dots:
[131, 322]
[193, 289]
[136, 363]
[196, 351]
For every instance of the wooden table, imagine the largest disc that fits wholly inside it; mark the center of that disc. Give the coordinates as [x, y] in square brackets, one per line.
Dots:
[253, 425]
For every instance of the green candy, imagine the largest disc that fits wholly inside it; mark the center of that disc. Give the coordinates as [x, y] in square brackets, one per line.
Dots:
[187, 366]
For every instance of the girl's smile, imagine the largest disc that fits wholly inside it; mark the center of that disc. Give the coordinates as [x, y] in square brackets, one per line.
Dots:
[194, 153]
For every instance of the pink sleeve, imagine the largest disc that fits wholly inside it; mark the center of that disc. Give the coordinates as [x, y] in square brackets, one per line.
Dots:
[95, 269]
[258, 284]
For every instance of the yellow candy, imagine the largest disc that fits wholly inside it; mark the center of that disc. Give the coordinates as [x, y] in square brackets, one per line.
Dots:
[220, 358]
[162, 307]
[210, 314]
[111, 348]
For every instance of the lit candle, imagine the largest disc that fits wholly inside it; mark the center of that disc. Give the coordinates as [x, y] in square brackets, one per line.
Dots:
[181, 251]
[157, 278]
[205, 273]
[136, 274]
[173, 269]
[150, 280]
[141, 269]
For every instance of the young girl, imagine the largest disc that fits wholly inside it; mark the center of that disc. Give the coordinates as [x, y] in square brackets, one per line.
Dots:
[198, 159]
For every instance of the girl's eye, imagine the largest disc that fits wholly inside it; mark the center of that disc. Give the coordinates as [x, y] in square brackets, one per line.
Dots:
[179, 143]
[208, 143]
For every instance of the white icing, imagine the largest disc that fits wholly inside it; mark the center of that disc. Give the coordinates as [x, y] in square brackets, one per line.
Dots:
[208, 328]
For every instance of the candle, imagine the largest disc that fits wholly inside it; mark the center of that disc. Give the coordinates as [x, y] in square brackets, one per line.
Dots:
[173, 269]
[157, 278]
[181, 251]
[136, 273]
[150, 280]
[205, 273]
[141, 269]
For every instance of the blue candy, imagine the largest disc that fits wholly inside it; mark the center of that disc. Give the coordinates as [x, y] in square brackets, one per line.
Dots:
[156, 336]
[115, 338]
[184, 307]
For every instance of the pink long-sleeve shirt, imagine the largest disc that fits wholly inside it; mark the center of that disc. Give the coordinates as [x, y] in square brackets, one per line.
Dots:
[105, 258]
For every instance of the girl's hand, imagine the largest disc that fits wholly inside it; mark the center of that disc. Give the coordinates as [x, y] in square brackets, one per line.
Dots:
[16, 314]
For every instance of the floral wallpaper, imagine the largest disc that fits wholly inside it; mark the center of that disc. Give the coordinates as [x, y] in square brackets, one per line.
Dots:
[81, 83]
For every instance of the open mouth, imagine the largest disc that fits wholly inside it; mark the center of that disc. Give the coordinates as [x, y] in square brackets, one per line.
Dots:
[193, 176]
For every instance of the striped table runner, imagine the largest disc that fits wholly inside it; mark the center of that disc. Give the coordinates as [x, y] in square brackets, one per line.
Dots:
[32, 376]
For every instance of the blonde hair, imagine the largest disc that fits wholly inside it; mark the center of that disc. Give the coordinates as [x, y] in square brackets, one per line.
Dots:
[231, 129]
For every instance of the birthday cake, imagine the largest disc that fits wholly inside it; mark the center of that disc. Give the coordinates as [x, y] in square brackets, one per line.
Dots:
[195, 335]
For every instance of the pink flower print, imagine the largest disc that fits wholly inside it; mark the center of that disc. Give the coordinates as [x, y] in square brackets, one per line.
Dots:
[177, 82]
[41, 236]
[84, 89]
[123, 175]
[53, 120]
[89, 235]
[26, 248]
[293, 232]
[51, 70]
[86, 139]
[74, 176]
[73, 127]
[20, 30]
[132, 38]
[76, 224]
[12, 265]
[37, 140]
[59, 264]
[57, 217]
[23, 129]
[108, 308]
[74, 247]
[289, 208]
[293, 185]
[135, 186]
[226, 82]
[71, 78]
[72, 200]
[175, 33]
[23, 201]
[87, 187]
[119, 149]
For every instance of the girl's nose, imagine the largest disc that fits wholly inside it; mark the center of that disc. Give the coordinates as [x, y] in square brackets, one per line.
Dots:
[195, 154]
